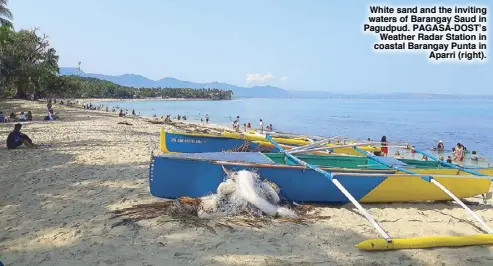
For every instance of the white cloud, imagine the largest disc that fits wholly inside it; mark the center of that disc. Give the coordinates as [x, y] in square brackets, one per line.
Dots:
[251, 78]
[262, 78]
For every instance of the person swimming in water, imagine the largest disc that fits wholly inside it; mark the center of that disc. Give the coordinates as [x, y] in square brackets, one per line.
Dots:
[440, 146]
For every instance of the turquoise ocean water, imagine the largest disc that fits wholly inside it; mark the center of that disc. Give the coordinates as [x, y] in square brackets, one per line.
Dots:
[420, 122]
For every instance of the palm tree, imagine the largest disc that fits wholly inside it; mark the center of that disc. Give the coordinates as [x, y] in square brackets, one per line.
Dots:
[5, 14]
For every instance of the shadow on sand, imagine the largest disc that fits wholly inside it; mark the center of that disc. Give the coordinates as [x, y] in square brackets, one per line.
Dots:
[57, 211]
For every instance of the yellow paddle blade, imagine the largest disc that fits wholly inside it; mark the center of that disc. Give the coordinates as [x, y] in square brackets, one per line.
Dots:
[426, 242]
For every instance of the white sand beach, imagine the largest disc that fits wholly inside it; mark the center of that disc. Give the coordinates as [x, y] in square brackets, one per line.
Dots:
[56, 203]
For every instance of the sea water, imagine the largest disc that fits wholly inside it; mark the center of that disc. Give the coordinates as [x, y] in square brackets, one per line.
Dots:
[420, 122]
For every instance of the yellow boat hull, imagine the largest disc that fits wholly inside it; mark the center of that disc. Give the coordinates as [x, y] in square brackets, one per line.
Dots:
[407, 188]
[425, 242]
[300, 142]
[286, 142]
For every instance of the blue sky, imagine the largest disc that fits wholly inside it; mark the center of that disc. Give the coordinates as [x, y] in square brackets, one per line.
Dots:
[296, 45]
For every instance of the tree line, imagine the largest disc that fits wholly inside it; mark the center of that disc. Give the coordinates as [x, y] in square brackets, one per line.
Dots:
[29, 69]
[84, 87]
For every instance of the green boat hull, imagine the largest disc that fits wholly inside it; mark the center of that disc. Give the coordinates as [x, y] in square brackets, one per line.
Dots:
[352, 162]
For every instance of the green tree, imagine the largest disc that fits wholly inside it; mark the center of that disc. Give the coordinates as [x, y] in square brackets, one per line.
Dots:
[84, 87]
[27, 62]
[5, 14]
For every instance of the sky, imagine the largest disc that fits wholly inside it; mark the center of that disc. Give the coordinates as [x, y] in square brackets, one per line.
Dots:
[315, 45]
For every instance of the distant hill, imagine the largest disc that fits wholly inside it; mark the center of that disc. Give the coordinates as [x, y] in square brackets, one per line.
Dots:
[138, 81]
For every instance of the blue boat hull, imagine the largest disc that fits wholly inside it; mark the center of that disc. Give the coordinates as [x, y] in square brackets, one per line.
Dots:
[172, 177]
[182, 143]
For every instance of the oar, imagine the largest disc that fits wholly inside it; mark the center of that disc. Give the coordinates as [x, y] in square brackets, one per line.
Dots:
[336, 182]
[433, 181]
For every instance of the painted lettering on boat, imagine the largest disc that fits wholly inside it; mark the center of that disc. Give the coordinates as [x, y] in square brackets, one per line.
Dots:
[194, 141]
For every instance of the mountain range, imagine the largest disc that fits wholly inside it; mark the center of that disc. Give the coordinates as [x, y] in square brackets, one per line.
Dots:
[137, 81]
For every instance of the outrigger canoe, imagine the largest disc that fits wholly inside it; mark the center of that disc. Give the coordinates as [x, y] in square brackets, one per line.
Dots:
[199, 174]
[178, 142]
[363, 162]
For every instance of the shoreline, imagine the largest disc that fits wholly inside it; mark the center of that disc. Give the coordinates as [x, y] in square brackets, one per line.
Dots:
[96, 101]
[99, 100]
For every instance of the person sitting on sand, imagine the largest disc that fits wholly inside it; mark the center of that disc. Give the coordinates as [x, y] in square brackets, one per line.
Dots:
[12, 117]
[16, 138]
[50, 116]
[22, 117]
[29, 116]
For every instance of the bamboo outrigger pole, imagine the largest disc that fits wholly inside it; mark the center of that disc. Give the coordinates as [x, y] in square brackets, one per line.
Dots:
[339, 146]
[314, 144]
[339, 186]
[433, 181]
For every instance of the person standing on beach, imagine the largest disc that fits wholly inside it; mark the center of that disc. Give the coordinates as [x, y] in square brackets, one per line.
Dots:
[385, 149]
[261, 124]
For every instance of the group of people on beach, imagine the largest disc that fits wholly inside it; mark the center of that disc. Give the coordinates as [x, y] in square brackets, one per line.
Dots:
[27, 116]
[13, 117]
[16, 138]
[247, 126]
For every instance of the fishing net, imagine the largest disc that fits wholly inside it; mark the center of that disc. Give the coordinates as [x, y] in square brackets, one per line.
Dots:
[241, 192]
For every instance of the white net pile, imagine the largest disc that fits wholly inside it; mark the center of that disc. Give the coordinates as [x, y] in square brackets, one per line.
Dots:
[241, 192]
